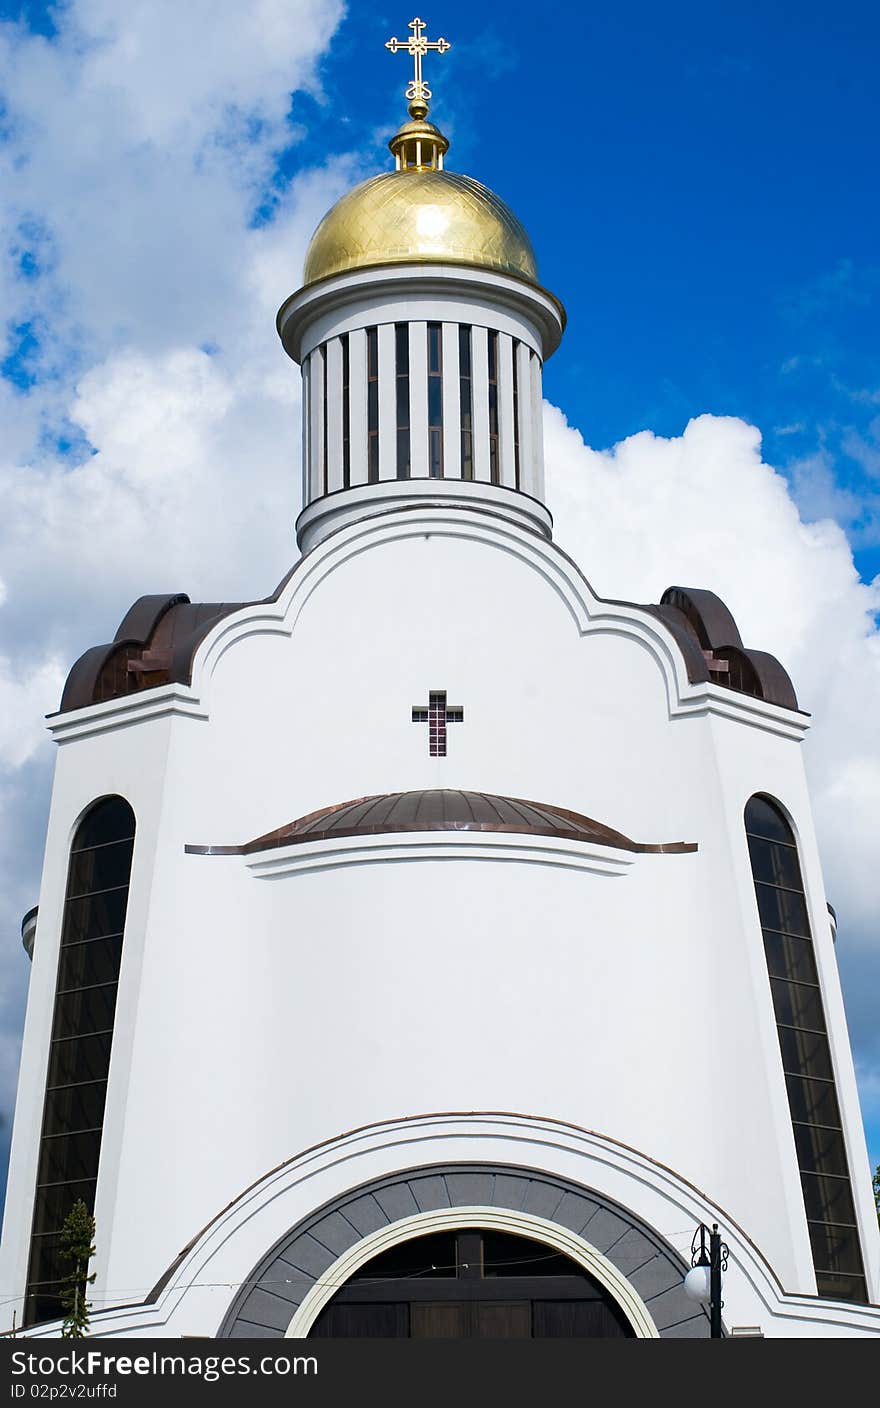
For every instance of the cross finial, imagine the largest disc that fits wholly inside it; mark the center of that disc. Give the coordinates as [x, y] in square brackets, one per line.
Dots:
[418, 93]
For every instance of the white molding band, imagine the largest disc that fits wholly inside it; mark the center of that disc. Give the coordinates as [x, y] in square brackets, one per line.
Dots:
[495, 1219]
[330, 852]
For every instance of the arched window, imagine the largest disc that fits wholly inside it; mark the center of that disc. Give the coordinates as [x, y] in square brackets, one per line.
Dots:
[82, 1035]
[806, 1055]
[472, 1283]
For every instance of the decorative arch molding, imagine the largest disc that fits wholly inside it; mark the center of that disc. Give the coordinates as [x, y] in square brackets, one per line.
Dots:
[193, 1296]
[661, 630]
[289, 1287]
[540, 1229]
[588, 612]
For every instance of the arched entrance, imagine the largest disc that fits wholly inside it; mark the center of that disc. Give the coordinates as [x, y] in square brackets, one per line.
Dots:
[471, 1283]
[320, 1253]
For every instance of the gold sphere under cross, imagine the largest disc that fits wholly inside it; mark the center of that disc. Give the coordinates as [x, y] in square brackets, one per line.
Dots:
[418, 93]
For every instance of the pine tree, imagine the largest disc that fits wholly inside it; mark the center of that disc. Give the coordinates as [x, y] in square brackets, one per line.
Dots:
[77, 1236]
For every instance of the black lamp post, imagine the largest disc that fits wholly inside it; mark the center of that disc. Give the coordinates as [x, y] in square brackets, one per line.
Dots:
[709, 1257]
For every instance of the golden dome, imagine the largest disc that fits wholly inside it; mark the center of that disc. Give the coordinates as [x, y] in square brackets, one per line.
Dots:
[420, 214]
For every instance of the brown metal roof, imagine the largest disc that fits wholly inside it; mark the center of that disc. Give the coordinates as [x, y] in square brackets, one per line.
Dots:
[441, 809]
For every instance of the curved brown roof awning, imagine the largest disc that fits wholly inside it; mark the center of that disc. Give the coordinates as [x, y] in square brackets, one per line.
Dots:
[441, 809]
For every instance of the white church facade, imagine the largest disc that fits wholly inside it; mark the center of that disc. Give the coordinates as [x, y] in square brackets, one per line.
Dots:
[430, 947]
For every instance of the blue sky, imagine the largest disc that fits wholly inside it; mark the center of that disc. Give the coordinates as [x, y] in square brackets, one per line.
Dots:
[699, 183]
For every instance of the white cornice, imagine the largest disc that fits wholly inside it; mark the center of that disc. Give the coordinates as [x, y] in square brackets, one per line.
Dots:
[331, 853]
[157, 703]
[421, 280]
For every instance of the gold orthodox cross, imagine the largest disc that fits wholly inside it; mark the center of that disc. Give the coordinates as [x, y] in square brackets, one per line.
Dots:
[418, 92]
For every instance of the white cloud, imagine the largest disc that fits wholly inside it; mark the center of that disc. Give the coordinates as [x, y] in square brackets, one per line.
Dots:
[25, 697]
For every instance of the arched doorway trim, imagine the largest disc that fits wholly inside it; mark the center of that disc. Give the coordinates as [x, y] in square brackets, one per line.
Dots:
[496, 1219]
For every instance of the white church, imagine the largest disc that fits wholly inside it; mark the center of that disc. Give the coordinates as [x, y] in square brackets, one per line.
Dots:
[430, 948]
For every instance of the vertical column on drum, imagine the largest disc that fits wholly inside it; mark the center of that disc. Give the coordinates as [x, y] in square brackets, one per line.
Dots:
[357, 406]
[316, 424]
[333, 400]
[418, 400]
[523, 357]
[537, 429]
[451, 403]
[304, 415]
[506, 437]
[480, 374]
[387, 403]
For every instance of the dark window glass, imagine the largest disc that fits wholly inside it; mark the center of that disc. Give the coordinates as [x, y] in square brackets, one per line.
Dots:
[42, 1306]
[837, 1287]
[48, 1271]
[494, 456]
[82, 1034]
[346, 413]
[835, 1248]
[764, 819]
[813, 1101]
[55, 1201]
[105, 823]
[93, 916]
[433, 1255]
[505, 1254]
[806, 1058]
[84, 1010]
[466, 402]
[797, 1005]
[776, 864]
[75, 1107]
[435, 400]
[94, 961]
[828, 1199]
[790, 957]
[805, 1053]
[435, 349]
[79, 1058]
[70, 1157]
[783, 910]
[820, 1149]
[104, 868]
[401, 362]
[373, 404]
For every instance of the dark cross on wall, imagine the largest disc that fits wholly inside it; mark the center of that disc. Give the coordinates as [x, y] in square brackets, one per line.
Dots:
[437, 715]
